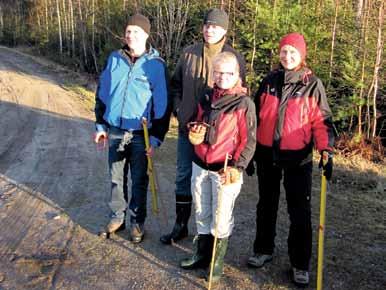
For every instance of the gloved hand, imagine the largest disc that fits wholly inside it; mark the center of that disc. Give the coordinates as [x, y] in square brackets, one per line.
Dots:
[231, 175]
[250, 170]
[197, 131]
[327, 168]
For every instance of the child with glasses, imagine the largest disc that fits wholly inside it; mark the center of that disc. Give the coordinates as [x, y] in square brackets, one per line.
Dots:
[226, 121]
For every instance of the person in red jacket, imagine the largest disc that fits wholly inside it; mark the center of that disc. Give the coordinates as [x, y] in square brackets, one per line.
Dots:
[226, 122]
[292, 117]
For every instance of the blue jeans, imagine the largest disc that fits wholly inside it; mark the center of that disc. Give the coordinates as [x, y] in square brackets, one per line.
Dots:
[185, 153]
[128, 153]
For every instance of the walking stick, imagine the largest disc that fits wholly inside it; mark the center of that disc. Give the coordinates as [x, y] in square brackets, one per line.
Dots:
[323, 189]
[216, 225]
[150, 169]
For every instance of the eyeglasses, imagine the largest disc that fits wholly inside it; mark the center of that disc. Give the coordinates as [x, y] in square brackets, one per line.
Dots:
[226, 74]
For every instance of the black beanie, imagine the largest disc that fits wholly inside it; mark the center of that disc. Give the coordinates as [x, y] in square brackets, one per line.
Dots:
[141, 21]
[217, 17]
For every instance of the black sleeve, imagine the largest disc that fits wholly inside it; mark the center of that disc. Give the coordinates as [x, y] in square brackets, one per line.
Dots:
[248, 152]
[99, 110]
[161, 126]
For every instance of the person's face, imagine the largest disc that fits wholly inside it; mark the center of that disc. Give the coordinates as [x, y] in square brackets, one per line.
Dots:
[135, 36]
[290, 57]
[225, 74]
[213, 33]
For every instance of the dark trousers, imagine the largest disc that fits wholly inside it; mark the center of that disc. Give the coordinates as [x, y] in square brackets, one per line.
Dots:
[297, 184]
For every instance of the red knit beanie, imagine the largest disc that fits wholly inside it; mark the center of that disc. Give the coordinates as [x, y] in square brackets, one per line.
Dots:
[296, 40]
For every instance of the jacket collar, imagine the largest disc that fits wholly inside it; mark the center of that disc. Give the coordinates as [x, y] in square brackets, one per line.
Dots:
[300, 76]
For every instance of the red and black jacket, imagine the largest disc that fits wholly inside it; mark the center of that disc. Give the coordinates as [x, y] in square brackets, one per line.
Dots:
[232, 120]
[292, 116]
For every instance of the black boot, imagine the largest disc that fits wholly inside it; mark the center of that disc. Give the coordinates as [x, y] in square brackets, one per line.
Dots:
[180, 229]
[200, 257]
[221, 249]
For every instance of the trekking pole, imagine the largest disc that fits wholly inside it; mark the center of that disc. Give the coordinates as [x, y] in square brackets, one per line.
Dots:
[323, 189]
[216, 225]
[150, 169]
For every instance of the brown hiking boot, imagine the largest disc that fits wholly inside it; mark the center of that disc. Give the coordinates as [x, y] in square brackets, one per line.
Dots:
[137, 232]
[115, 225]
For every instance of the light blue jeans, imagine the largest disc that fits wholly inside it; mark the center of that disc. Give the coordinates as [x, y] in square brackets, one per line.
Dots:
[128, 156]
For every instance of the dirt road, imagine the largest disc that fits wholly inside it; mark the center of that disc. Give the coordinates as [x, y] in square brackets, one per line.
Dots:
[53, 192]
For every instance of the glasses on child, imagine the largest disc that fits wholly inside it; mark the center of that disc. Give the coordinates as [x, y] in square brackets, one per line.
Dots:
[223, 73]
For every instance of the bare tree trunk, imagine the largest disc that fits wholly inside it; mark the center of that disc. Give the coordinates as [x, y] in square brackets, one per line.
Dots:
[72, 27]
[46, 11]
[254, 35]
[234, 22]
[82, 29]
[59, 28]
[93, 36]
[364, 46]
[66, 27]
[272, 52]
[377, 65]
[333, 42]
[359, 11]
[317, 13]
[1, 22]
[171, 22]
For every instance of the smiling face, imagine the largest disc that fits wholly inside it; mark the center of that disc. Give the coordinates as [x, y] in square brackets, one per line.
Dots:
[135, 36]
[290, 57]
[213, 33]
[226, 73]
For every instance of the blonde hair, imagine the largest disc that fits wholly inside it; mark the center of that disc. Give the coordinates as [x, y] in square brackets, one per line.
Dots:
[226, 57]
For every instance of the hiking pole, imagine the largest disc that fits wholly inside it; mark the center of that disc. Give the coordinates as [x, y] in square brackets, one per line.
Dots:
[150, 169]
[323, 189]
[216, 225]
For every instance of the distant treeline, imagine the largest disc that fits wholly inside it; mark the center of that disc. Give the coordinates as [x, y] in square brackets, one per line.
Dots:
[345, 41]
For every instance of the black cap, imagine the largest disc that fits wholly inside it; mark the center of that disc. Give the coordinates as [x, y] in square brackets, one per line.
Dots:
[217, 17]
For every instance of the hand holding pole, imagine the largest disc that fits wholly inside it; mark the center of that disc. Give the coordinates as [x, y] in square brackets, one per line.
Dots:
[150, 169]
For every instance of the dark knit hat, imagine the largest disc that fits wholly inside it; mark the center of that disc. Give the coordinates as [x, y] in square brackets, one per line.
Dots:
[217, 17]
[296, 40]
[141, 21]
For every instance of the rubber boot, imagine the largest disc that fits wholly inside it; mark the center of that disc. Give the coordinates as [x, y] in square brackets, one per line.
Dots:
[221, 249]
[200, 257]
[180, 229]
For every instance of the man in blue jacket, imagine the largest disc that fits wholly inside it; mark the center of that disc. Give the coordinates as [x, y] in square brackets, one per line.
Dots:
[132, 86]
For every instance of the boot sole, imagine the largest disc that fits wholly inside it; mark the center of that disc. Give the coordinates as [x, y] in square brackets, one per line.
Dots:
[105, 234]
[251, 264]
[170, 240]
[199, 265]
[297, 284]
[137, 240]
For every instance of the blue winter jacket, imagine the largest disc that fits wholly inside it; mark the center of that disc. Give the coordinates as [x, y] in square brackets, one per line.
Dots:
[130, 91]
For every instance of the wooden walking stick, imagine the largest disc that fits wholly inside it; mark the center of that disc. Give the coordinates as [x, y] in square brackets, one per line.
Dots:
[219, 200]
[323, 189]
[150, 169]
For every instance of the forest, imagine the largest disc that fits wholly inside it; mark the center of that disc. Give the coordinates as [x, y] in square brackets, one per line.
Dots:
[345, 40]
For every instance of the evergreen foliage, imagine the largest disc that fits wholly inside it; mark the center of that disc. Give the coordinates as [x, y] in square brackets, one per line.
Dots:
[341, 38]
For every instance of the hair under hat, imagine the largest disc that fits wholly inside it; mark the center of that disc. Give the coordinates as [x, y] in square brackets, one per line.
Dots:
[217, 17]
[141, 21]
[297, 41]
